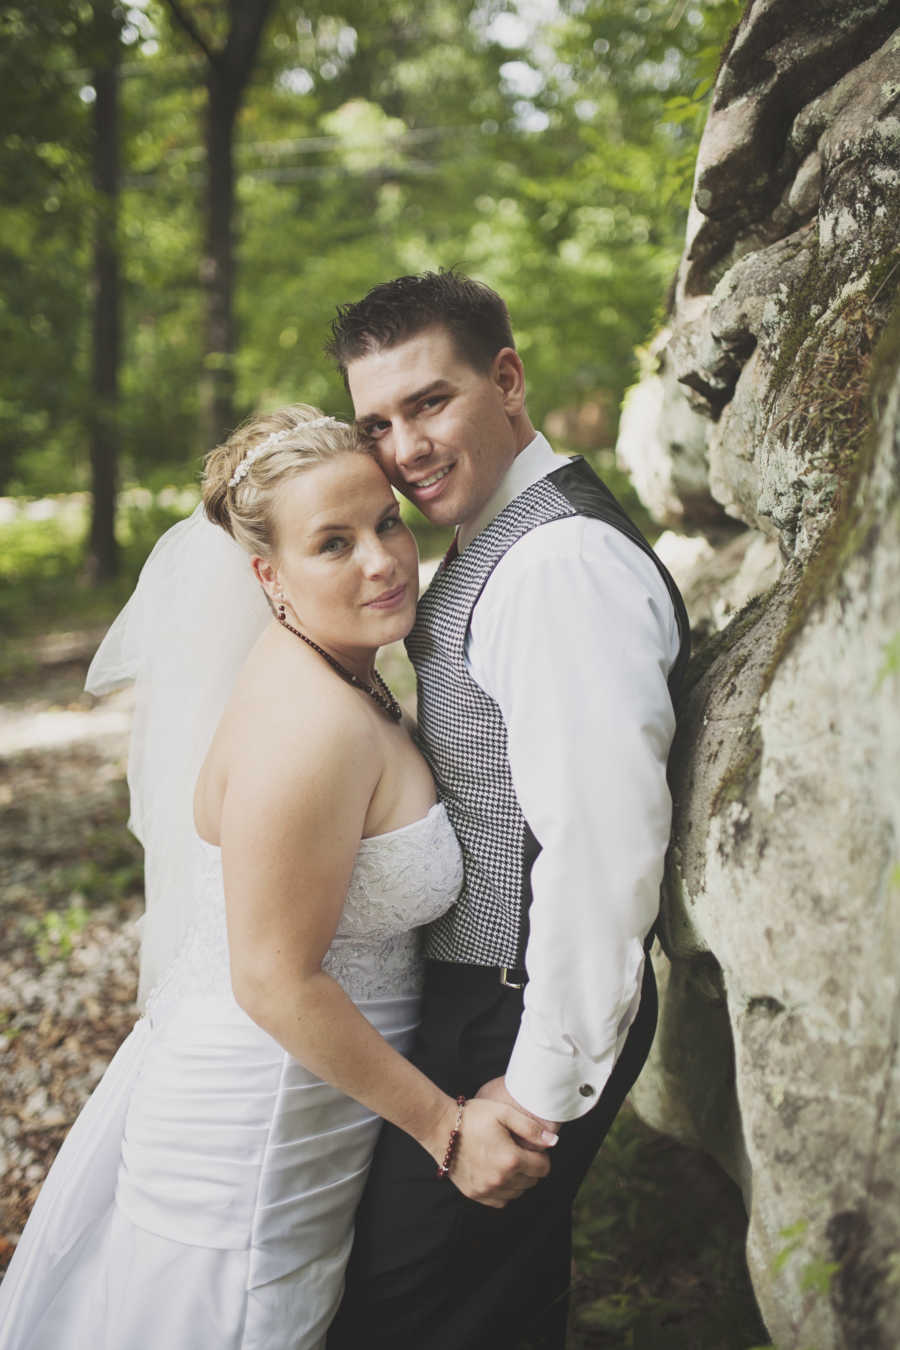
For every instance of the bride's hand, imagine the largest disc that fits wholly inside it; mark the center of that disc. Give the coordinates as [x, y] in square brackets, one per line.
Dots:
[500, 1152]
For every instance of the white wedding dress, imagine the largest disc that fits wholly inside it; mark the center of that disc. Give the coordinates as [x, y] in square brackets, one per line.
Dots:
[204, 1199]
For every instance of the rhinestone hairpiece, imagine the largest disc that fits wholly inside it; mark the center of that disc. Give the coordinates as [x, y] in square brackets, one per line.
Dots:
[272, 439]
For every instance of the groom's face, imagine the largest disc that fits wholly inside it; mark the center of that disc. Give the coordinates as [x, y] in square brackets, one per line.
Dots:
[442, 431]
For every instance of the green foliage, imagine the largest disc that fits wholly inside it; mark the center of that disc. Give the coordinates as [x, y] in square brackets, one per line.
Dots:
[815, 1275]
[794, 1236]
[890, 666]
[44, 152]
[55, 931]
[433, 540]
[42, 582]
[103, 869]
[542, 157]
[39, 549]
[688, 111]
[38, 559]
[8, 1031]
[658, 1250]
[117, 877]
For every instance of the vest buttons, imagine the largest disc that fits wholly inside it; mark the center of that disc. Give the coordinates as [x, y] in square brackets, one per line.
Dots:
[586, 1090]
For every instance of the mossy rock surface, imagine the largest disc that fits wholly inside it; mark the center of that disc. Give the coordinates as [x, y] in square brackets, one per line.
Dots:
[782, 887]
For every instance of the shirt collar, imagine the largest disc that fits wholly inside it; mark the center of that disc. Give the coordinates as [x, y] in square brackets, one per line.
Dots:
[532, 463]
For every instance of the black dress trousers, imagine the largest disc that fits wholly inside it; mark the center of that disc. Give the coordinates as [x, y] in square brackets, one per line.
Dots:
[433, 1270]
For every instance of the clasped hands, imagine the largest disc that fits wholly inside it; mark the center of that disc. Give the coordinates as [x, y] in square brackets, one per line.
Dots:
[503, 1149]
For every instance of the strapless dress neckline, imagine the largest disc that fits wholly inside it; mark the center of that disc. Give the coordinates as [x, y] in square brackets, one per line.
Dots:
[367, 838]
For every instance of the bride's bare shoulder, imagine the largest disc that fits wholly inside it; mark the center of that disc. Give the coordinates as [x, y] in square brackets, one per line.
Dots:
[288, 695]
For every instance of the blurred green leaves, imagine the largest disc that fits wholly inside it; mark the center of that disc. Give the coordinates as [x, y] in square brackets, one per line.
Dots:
[550, 157]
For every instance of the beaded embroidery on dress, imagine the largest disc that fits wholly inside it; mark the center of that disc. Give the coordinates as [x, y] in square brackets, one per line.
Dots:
[206, 1194]
[400, 882]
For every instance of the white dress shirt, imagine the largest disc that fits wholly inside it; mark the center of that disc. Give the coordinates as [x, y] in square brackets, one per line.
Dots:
[573, 636]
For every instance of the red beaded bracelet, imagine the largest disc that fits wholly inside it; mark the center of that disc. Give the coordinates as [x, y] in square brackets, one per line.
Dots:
[444, 1168]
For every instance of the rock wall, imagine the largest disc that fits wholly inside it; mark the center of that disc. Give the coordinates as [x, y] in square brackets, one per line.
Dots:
[769, 429]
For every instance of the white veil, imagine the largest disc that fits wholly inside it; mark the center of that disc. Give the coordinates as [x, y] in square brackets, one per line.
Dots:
[182, 637]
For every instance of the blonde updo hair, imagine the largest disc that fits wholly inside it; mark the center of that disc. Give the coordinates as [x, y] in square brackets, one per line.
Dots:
[246, 508]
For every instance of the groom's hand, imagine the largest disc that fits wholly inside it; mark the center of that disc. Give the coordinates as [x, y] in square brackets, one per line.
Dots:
[495, 1091]
[501, 1152]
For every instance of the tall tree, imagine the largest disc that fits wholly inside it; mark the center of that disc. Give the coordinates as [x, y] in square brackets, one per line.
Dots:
[44, 156]
[229, 66]
[103, 415]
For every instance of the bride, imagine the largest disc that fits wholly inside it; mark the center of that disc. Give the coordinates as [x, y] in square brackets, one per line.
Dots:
[205, 1195]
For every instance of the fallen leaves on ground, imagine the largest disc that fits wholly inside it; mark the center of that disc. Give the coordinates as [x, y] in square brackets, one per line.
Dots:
[70, 891]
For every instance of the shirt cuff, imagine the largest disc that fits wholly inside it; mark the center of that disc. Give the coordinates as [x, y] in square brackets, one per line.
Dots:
[553, 1084]
[558, 1082]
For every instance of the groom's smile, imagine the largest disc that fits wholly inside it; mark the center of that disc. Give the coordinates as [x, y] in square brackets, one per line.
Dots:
[444, 432]
[421, 490]
[433, 479]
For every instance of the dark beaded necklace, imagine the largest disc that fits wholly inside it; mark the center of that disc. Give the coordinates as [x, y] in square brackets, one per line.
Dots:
[377, 691]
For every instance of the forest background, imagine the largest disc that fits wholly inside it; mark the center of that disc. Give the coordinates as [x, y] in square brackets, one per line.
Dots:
[189, 189]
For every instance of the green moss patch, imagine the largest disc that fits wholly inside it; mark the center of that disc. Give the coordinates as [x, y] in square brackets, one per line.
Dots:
[853, 396]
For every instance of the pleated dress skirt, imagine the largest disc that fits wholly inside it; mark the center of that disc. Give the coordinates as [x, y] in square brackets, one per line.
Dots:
[203, 1200]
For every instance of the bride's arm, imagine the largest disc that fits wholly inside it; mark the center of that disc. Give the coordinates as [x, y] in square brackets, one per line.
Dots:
[294, 808]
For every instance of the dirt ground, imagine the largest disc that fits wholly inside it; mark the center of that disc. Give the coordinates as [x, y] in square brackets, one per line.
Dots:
[70, 890]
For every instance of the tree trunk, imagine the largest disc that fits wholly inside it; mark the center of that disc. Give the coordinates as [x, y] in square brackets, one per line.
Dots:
[103, 550]
[228, 71]
[218, 263]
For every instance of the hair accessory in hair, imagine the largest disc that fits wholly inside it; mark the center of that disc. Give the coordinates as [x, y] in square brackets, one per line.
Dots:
[272, 439]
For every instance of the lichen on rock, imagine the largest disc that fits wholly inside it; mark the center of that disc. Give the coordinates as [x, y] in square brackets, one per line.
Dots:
[780, 1008]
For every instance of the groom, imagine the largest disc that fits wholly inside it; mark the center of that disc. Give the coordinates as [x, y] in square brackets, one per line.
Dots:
[548, 650]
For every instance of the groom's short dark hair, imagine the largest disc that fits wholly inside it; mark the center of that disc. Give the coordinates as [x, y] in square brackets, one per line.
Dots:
[474, 315]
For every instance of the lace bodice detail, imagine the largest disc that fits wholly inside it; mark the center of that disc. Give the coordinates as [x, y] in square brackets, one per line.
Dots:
[400, 881]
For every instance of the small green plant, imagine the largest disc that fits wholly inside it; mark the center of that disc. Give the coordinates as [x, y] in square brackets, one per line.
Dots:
[793, 1236]
[644, 1281]
[890, 665]
[815, 1275]
[116, 877]
[54, 933]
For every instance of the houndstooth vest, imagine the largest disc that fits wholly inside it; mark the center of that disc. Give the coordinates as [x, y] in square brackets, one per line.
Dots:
[462, 732]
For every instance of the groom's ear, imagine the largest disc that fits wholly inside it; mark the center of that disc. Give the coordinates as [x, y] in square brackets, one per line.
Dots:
[509, 375]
